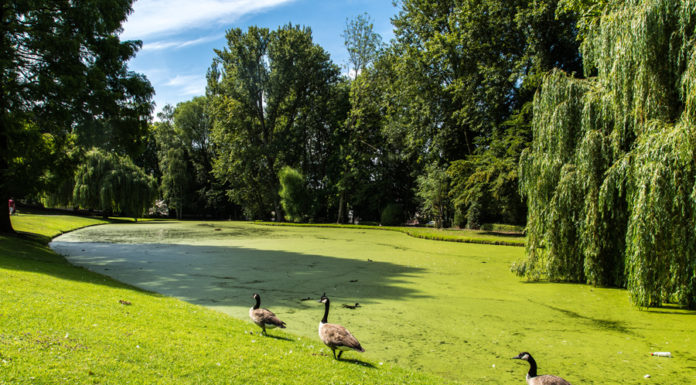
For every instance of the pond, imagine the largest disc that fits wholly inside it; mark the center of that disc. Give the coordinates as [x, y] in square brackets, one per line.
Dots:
[448, 308]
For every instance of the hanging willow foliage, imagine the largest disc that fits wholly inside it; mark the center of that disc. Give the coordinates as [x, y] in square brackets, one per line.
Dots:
[112, 183]
[610, 178]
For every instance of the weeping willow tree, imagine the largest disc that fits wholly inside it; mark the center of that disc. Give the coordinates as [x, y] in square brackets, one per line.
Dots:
[175, 179]
[610, 176]
[113, 184]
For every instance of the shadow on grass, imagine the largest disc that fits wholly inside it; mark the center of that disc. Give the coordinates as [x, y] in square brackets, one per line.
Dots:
[671, 309]
[664, 309]
[358, 362]
[30, 253]
[280, 338]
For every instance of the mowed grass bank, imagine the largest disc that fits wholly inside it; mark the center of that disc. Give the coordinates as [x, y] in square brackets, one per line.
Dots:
[60, 324]
[453, 309]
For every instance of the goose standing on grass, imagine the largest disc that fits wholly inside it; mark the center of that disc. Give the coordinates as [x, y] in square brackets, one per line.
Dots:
[264, 317]
[336, 336]
[533, 379]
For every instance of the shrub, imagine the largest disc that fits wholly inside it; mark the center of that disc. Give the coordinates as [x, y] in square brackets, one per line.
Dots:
[294, 196]
[392, 215]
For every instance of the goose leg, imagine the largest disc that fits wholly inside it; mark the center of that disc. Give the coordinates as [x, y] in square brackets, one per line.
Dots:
[334, 353]
[339, 354]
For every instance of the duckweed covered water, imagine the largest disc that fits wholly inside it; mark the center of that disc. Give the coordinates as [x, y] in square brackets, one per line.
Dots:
[448, 308]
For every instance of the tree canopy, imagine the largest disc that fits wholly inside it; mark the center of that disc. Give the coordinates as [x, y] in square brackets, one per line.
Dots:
[268, 91]
[466, 75]
[64, 79]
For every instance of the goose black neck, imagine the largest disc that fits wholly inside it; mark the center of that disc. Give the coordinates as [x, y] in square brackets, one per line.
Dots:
[532, 367]
[258, 302]
[326, 312]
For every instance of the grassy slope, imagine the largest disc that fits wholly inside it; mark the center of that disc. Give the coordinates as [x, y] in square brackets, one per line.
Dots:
[449, 308]
[62, 324]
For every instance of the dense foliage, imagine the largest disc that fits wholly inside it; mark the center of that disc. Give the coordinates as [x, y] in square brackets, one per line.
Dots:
[610, 177]
[64, 82]
[271, 95]
[184, 157]
[114, 185]
[294, 196]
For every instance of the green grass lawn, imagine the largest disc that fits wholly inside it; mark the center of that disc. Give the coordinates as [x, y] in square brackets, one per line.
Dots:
[451, 309]
[61, 324]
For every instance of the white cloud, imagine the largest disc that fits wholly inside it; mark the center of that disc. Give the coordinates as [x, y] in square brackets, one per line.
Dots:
[162, 45]
[187, 85]
[167, 17]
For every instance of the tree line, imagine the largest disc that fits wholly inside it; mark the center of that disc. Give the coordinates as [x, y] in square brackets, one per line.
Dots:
[554, 114]
[429, 124]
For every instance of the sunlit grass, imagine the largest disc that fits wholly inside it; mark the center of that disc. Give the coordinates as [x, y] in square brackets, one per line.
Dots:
[48, 226]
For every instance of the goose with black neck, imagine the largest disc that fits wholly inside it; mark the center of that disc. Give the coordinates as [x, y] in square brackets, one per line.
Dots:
[336, 336]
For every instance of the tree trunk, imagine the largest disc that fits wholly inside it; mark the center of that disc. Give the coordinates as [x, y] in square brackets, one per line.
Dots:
[340, 208]
[277, 208]
[5, 222]
[441, 217]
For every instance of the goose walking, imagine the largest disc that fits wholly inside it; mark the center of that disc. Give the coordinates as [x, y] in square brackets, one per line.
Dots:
[533, 379]
[336, 336]
[264, 317]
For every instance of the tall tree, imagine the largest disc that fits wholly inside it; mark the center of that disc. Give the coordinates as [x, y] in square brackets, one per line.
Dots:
[185, 153]
[176, 180]
[467, 72]
[360, 133]
[175, 183]
[610, 177]
[263, 88]
[362, 42]
[486, 182]
[433, 190]
[62, 70]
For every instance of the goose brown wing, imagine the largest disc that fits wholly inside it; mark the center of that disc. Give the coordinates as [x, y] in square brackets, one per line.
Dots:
[267, 317]
[336, 336]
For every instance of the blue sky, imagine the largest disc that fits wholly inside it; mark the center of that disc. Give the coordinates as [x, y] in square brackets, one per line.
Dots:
[179, 35]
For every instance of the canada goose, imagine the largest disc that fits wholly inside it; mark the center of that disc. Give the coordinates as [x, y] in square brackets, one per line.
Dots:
[336, 336]
[357, 305]
[264, 317]
[533, 379]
